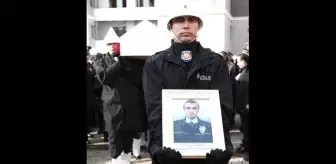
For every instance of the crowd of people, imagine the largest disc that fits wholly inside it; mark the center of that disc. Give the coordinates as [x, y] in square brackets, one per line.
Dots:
[124, 93]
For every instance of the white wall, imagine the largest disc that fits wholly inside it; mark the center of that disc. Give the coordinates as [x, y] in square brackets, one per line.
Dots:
[123, 14]
[89, 40]
[239, 35]
[213, 34]
[220, 3]
[89, 10]
[228, 5]
[103, 3]
[131, 3]
[227, 43]
[89, 21]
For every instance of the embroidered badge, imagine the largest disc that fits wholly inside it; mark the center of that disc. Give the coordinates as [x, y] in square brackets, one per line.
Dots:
[202, 129]
[186, 56]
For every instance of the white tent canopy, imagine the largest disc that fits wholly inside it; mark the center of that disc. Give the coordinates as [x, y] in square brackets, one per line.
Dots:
[101, 46]
[111, 36]
[145, 39]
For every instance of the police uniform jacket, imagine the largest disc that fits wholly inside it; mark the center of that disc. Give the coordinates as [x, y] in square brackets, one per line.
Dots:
[166, 70]
[189, 132]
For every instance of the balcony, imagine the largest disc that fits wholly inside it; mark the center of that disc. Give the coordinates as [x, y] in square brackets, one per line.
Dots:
[125, 14]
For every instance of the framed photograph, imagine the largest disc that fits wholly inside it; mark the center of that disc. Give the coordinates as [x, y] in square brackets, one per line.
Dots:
[192, 121]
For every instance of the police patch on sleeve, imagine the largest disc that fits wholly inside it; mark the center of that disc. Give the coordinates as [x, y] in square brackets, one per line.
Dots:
[202, 129]
[186, 56]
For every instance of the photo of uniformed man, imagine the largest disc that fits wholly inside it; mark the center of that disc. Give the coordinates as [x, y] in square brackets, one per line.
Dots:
[191, 129]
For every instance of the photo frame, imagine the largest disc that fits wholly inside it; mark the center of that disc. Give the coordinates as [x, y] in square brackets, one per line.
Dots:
[192, 122]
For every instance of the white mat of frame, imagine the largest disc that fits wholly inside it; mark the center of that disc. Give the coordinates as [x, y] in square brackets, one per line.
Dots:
[238, 160]
[234, 160]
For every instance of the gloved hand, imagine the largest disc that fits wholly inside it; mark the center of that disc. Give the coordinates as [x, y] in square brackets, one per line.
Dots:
[218, 156]
[168, 156]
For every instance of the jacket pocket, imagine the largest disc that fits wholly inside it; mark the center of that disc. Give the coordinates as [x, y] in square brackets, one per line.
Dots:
[118, 116]
[117, 113]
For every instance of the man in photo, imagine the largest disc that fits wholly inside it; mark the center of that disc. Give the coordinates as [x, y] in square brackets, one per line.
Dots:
[192, 129]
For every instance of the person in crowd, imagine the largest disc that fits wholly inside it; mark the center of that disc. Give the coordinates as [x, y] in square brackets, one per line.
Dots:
[99, 115]
[231, 57]
[123, 101]
[232, 72]
[242, 101]
[90, 96]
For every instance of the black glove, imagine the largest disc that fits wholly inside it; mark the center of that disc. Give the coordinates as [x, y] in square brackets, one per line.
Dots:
[168, 156]
[218, 156]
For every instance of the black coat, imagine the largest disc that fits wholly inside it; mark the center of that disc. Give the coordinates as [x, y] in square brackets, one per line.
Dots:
[125, 77]
[242, 91]
[91, 101]
[233, 74]
[90, 80]
[166, 70]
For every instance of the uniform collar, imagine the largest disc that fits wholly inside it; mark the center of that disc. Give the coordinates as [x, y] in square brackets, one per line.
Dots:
[194, 121]
[198, 58]
[193, 47]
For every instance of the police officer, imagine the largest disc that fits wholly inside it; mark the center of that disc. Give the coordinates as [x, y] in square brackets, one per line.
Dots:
[124, 106]
[192, 129]
[185, 65]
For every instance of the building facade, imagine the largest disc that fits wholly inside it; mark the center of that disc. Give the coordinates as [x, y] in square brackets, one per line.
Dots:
[225, 22]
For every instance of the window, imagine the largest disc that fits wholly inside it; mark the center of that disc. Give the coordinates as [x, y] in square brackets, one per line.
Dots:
[113, 3]
[92, 3]
[151, 3]
[93, 32]
[120, 31]
[124, 3]
[139, 3]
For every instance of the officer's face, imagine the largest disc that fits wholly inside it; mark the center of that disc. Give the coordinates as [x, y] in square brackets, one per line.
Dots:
[191, 109]
[185, 28]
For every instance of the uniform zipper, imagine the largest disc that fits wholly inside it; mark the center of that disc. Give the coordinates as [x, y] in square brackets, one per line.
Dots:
[186, 80]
